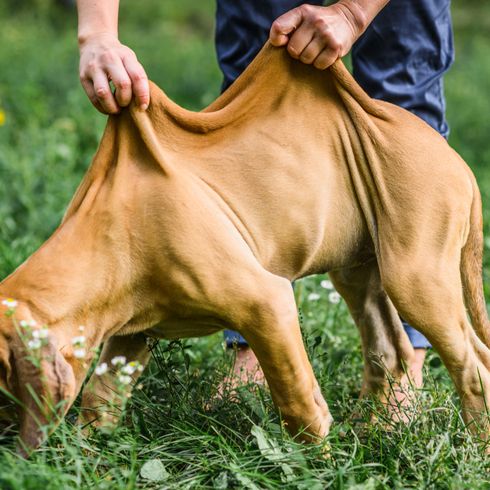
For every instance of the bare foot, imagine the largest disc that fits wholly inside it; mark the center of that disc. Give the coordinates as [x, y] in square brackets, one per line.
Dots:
[246, 370]
[401, 396]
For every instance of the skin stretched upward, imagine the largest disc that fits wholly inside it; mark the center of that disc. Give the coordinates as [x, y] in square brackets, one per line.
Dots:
[314, 35]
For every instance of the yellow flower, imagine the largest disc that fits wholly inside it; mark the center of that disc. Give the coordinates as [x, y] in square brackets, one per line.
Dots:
[2, 117]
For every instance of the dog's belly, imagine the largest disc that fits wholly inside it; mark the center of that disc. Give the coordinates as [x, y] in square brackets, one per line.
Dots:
[346, 256]
[333, 236]
[180, 329]
[295, 207]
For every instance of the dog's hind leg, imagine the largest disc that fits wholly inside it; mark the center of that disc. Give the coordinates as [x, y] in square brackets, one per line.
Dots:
[386, 348]
[429, 295]
[268, 320]
[101, 398]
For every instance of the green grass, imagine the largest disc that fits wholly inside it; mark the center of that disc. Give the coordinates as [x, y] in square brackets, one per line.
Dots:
[47, 141]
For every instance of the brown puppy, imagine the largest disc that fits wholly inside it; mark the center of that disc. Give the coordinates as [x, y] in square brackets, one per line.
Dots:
[188, 223]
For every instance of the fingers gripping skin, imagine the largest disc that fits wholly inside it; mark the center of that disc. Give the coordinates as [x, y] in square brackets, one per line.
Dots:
[103, 59]
[320, 35]
[100, 406]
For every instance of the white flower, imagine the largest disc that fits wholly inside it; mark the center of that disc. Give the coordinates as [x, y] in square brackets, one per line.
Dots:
[28, 323]
[81, 328]
[128, 369]
[118, 361]
[101, 369]
[125, 380]
[42, 333]
[334, 297]
[313, 297]
[326, 284]
[80, 340]
[34, 344]
[131, 367]
[80, 353]
[10, 303]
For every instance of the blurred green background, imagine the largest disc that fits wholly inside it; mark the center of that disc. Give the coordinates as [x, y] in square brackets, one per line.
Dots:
[48, 135]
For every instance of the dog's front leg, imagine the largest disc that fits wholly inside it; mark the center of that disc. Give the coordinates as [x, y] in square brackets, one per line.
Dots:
[101, 398]
[272, 329]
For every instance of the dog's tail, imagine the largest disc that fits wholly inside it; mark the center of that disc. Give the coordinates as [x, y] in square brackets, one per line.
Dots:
[471, 269]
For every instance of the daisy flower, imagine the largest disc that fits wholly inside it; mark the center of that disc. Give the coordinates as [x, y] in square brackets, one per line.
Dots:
[101, 369]
[118, 361]
[10, 303]
[313, 297]
[326, 284]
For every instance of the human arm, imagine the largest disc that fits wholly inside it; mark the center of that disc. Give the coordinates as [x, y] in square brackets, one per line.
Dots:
[320, 35]
[103, 59]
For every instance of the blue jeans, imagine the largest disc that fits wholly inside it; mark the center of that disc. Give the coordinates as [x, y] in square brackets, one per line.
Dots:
[401, 58]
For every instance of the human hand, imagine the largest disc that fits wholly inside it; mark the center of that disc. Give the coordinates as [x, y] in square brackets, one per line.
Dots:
[103, 59]
[318, 35]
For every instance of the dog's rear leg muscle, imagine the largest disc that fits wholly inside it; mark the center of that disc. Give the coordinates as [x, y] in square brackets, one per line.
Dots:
[429, 296]
[100, 402]
[386, 348]
[270, 325]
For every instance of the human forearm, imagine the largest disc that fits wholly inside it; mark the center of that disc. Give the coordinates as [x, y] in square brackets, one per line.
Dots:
[360, 13]
[97, 17]
[103, 59]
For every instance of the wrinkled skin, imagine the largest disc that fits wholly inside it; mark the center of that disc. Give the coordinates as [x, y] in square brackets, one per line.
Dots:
[188, 223]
